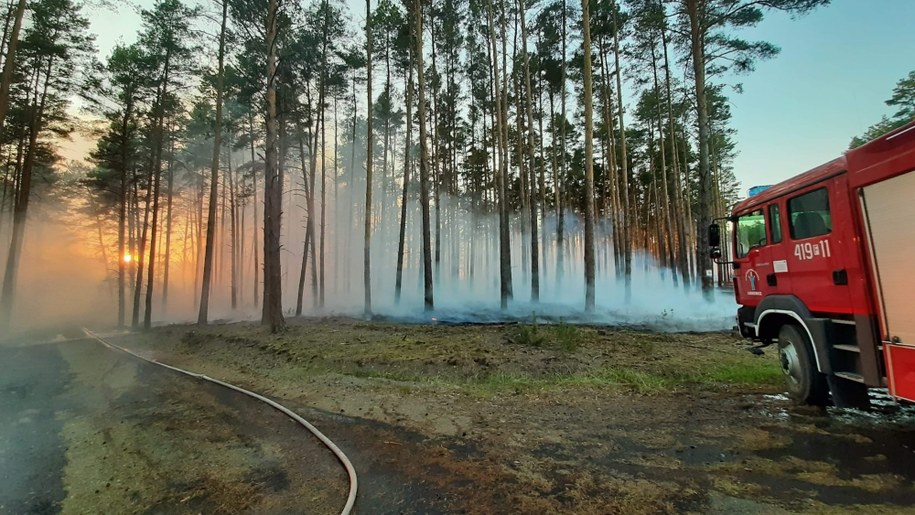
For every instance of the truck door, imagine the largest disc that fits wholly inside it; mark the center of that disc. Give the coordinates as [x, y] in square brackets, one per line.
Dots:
[778, 277]
[818, 226]
[752, 257]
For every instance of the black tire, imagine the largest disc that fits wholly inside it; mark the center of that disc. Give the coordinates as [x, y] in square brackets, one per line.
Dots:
[806, 385]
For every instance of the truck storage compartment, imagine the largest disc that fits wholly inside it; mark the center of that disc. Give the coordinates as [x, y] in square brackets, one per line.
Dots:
[889, 213]
[900, 364]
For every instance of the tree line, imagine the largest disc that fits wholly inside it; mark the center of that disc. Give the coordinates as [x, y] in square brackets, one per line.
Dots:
[214, 129]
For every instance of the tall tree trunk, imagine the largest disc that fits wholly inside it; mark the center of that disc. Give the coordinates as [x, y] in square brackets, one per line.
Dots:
[505, 286]
[589, 159]
[352, 179]
[697, 47]
[312, 177]
[611, 162]
[301, 290]
[308, 184]
[398, 281]
[367, 249]
[323, 203]
[428, 297]
[560, 213]
[322, 110]
[535, 256]
[523, 176]
[505, 228]
[123, 199]
[272, 312]
[141, 254]
[255, 246]
[665, 194]
[436, 161]
[683, 217]
[233, 227]
[624, 160]
[168, 216]
[156, 175]
[203, 314]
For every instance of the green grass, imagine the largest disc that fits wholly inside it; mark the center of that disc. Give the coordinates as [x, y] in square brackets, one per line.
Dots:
[562, 335]
[568, 337]
[643, 382]
[624, 379]
[489, 361]
[755, 373]
[663, 378]
[530, 335]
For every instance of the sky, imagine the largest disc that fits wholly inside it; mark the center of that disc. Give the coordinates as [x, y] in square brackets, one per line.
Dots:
[836, 68]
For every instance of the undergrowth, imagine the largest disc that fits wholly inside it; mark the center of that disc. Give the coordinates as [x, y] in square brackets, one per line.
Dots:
[561, 335]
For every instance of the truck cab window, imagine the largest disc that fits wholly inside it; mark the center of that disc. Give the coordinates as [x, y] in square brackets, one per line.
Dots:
[809, 215]
[775, 225]
[751, 232]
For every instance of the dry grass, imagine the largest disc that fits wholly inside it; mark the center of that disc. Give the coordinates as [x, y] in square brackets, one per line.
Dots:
[492, 359]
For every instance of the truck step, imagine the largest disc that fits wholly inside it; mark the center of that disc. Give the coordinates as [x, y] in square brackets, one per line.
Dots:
[848, 348]
[840, 321]
[851, 376]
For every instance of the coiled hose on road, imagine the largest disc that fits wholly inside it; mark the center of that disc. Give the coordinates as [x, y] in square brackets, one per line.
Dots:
[350, 471]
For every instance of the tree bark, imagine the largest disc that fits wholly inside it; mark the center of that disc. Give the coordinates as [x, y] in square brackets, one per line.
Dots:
[624, 161]
[398, 281]
[589, 158]
[535, 255]
[682, 261]
[367, 249]
[505, 286]
[203, 314]
[168, 217]
[272, 312]
[560, 213]
[697, 47]
[428, 296]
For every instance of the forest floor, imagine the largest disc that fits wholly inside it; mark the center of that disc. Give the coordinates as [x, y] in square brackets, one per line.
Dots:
[558, 418]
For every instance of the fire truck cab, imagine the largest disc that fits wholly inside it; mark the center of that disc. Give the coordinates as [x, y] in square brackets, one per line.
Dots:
[824, 265]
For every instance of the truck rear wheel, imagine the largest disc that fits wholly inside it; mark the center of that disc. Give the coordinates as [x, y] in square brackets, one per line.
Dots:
[806, 385]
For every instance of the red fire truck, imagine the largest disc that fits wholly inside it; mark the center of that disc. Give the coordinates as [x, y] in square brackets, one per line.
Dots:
[824, 265]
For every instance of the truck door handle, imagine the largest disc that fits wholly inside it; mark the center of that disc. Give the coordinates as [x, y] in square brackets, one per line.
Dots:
[771, 280]
[840, 277]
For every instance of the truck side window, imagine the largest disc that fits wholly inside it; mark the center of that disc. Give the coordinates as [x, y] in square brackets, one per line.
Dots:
[809, 215]
[775, 224]
[751, 232]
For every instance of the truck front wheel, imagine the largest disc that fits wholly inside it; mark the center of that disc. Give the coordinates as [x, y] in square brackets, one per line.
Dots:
[806, 385]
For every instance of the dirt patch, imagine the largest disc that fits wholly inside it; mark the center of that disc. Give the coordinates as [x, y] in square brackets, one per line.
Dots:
[550, 419]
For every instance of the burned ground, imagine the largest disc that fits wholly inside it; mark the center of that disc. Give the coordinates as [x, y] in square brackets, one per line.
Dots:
[539, 419]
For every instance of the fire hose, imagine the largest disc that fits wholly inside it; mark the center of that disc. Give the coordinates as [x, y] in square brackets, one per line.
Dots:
[350, 471]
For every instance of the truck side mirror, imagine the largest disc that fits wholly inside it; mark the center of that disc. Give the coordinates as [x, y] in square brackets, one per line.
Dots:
[715, 253]
[714, 235]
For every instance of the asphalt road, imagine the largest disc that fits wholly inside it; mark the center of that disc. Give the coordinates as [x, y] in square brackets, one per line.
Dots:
[87, 429]
[33, 386]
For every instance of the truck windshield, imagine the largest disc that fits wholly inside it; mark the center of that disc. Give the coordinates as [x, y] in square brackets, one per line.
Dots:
[751, 232]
